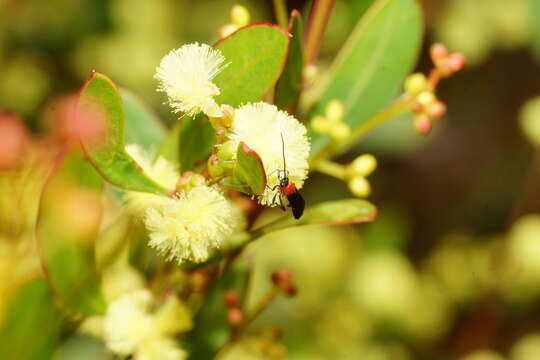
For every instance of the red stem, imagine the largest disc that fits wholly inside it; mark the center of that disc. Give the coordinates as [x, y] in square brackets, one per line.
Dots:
[318, 19]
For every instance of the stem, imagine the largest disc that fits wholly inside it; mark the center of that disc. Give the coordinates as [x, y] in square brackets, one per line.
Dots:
[433, 79]
[401, 105]
[239, 331]
[281, 13]
[265, 302]
[318, 19]
[331, 168]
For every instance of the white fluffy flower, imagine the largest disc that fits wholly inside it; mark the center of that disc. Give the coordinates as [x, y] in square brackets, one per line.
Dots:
[186, 74]
[189, 226]
[130, 328]
[160, 170]
[261, 126]
[128, 322]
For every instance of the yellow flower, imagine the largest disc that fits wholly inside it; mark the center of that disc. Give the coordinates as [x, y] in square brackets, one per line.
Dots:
[261, 126]
[160, 170]
[189, 226]
[186, 74]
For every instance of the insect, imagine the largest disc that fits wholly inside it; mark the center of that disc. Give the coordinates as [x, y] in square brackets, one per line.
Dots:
[287, 188]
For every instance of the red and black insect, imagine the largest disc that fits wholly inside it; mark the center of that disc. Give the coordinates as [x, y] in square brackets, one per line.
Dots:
[288, 189]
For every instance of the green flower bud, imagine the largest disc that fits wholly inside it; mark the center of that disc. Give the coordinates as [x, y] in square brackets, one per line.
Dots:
[363, 165]
[426, 98]
[415, 83]
[360, 187]
[530, 121]
[526, 348]
[334, 110]
[320, 124]
[340, 131]
[214, 167]
[227, 151]
[240, 15]
[189, 180]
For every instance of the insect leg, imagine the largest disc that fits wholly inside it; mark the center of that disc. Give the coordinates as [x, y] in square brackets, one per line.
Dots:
[281, 202]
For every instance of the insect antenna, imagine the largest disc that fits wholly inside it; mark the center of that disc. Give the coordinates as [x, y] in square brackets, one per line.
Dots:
[283, 153]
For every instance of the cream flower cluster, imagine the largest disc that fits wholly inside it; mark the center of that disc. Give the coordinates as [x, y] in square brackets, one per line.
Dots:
[186, 75]
[261, 126]
[130, 328]
[188, 226]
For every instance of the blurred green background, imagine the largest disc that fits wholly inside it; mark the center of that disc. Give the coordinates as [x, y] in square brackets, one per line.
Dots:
[445, 271]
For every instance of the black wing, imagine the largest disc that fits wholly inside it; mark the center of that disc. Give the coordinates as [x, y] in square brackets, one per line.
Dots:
[297, 204]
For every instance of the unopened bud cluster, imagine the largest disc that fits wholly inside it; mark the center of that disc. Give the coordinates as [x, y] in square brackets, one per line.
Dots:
[221, 162]
[446, 64]
[331, 123]
[357, 172]
[235, 315]
[239, 17]
[425, 105]
[282, 279]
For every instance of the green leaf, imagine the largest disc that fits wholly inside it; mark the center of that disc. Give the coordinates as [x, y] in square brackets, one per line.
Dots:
[249, 169]
[372, 64]
[256, 55]
[290, 84]
[31, 326]
[196, 140]
[142, 126]
[340, 212]
[67, 243]
[534, 25]
[170, 147]
[100, 115]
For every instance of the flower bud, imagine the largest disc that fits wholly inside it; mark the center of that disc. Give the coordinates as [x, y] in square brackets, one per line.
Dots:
[214, 168]
[530, 120]
[526, 348]
[227, 30]
[456, 62]
[231, 299]
[423, 124]
[310, 73]
[438, 52]
[240, 15]
[281, 276]
[436, 110]
[363, 165]
[199, 279]
[359, 186]
[289, 289]
[334, 110]
[320, 124]
[426, 98]
[415, 83]
[340, 131]
[189, 180]
[417, 108]
[227, 151]
[235, 316]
